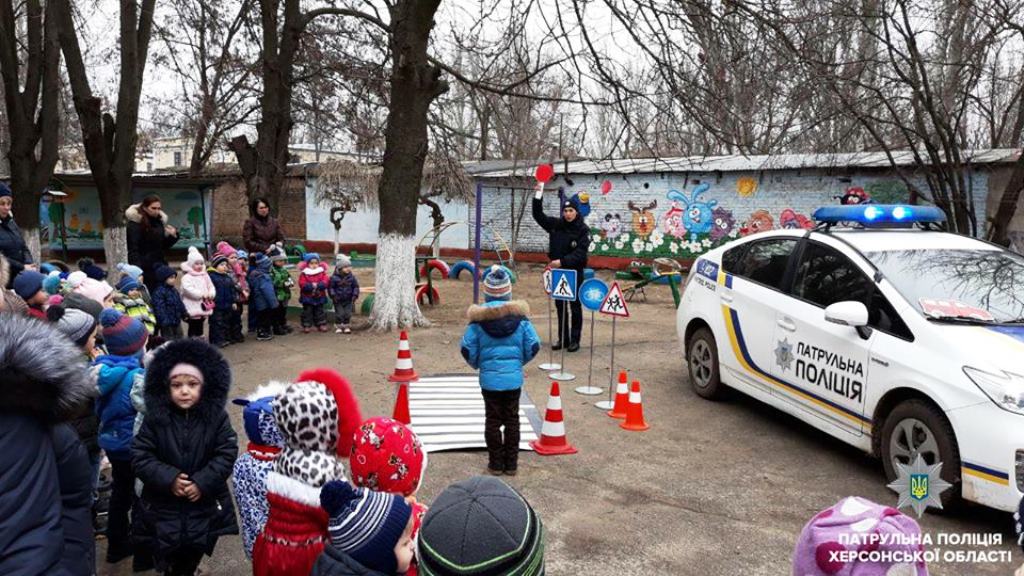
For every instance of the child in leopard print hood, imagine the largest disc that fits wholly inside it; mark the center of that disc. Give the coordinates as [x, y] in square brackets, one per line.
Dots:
[318, 416]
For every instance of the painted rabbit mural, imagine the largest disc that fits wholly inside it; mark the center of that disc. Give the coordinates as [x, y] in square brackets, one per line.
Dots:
[697, 216]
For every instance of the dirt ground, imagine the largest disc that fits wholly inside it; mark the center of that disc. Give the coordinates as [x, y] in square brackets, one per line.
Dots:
[712, 488]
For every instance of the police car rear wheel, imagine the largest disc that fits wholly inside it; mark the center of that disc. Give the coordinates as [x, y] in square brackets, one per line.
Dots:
[917, 427]
[702, 359]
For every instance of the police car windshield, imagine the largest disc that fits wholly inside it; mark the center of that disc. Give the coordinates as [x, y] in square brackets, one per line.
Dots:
[975, 285]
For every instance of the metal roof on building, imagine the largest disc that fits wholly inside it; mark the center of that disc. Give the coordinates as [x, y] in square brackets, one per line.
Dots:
[732, 163]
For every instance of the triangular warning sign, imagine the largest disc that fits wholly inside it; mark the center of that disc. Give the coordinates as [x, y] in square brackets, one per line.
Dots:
[614, 304]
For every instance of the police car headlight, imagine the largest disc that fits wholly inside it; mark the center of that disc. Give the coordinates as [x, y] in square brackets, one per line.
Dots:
[1005, 389]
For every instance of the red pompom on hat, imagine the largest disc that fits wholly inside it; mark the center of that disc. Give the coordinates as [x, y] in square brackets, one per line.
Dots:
[349, 417]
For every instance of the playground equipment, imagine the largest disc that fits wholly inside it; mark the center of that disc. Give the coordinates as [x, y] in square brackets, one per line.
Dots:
[663, 271]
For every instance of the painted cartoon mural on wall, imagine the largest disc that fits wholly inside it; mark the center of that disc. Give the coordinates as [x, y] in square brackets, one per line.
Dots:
[696, 214]
[700, 218]
[643, 219]
[84, 226]
[724, 223]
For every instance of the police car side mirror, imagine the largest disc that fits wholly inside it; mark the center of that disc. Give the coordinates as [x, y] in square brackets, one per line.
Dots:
[848, 313]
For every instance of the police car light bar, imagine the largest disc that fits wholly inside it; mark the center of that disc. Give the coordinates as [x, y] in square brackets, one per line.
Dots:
[870, 214]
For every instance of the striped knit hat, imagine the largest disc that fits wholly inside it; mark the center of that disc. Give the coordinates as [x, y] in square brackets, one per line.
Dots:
[481, 527]
[497, 284]
[365, 524]
[122, 335]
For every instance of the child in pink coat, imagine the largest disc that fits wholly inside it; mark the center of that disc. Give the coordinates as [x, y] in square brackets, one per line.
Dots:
[197, 292]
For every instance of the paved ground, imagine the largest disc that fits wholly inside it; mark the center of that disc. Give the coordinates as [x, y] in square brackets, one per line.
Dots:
[712, 488]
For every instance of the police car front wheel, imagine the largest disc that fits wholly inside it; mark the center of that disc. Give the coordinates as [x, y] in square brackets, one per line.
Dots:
[702, 360]
[917, 427]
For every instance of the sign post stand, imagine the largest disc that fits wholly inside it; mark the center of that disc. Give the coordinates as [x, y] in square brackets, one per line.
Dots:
[613, 305]
[563, 287]
[550, 364]
[592, 294]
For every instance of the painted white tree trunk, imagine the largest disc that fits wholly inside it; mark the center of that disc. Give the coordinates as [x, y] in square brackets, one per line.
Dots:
[35, 248]
[115, 245]
[394, 302]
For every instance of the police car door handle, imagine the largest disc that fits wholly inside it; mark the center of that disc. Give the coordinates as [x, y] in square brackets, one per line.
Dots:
[786, 324]
[726, 297]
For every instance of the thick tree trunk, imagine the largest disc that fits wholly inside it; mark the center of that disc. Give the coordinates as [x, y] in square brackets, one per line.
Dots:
[115, 245]
[32, 111]
[31, 236]
[415, 83]
[999, 232]
[109, 143]
[394, 301]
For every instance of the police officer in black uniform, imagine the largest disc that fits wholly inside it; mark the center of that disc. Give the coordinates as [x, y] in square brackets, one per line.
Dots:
[568, 242]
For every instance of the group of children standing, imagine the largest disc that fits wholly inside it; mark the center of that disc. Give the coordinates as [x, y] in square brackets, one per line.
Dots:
[261, 282]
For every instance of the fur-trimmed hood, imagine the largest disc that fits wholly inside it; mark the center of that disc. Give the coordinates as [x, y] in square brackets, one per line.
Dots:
[499, 319]
[41, 372]
[134, 214]
[216, 379]
[5, 272]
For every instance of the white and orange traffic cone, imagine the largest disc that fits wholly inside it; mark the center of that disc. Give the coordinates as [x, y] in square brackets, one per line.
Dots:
[401, 411]
[552, 434]
[404, 371]
[621, 398]
[635, 412]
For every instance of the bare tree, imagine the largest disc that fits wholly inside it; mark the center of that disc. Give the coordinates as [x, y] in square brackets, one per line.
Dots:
[206, 46]
[110, 138]
[31, 107]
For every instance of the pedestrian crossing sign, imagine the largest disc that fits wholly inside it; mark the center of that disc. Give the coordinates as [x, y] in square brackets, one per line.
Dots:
[547, 280]
[614, 304]
[563, 284]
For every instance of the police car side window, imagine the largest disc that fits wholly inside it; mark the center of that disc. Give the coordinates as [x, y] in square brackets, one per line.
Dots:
[765, 262]
[825, 276]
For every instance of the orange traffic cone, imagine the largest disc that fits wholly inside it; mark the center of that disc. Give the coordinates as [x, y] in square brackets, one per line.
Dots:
[404, 371]
[552, 434]
[635, 412]
[621, 398]
[401, 412]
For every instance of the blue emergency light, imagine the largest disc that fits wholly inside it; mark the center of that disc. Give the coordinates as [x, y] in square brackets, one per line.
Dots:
[872, 214]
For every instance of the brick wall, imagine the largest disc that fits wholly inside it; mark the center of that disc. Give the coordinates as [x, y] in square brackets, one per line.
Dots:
[231, 210]
[729, 204]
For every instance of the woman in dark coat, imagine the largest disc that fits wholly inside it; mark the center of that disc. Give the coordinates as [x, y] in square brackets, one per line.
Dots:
[261, 230]
[12, 245]
[45, 490]
[568, 242]
[149, 236]
[192, 446]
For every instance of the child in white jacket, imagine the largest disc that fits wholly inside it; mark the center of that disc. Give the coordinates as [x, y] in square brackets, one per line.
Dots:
[197, 292]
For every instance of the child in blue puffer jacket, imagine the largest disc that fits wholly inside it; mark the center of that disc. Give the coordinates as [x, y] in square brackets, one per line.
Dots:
[499, 341]
[125, 338]
[262, 297]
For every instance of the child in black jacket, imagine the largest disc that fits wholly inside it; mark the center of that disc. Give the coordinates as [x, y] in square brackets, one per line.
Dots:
[184, 454]
[224, 304]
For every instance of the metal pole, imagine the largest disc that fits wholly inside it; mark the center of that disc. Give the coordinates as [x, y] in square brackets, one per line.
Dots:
[610, 403]
[563, 337]
[590, 389]
[551, 355]
[476, 251]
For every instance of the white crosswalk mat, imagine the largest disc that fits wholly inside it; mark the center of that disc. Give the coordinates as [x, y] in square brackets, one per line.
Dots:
[447, 413]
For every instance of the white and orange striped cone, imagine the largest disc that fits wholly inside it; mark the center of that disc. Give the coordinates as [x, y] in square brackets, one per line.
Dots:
[635, 412]
[552, 434]
[404, 371]
[621, 398]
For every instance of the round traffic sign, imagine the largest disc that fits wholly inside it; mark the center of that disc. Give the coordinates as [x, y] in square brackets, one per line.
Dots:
[547, 280]
[592, 293]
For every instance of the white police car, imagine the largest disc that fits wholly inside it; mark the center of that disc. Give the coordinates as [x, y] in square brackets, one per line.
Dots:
[896, 339]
